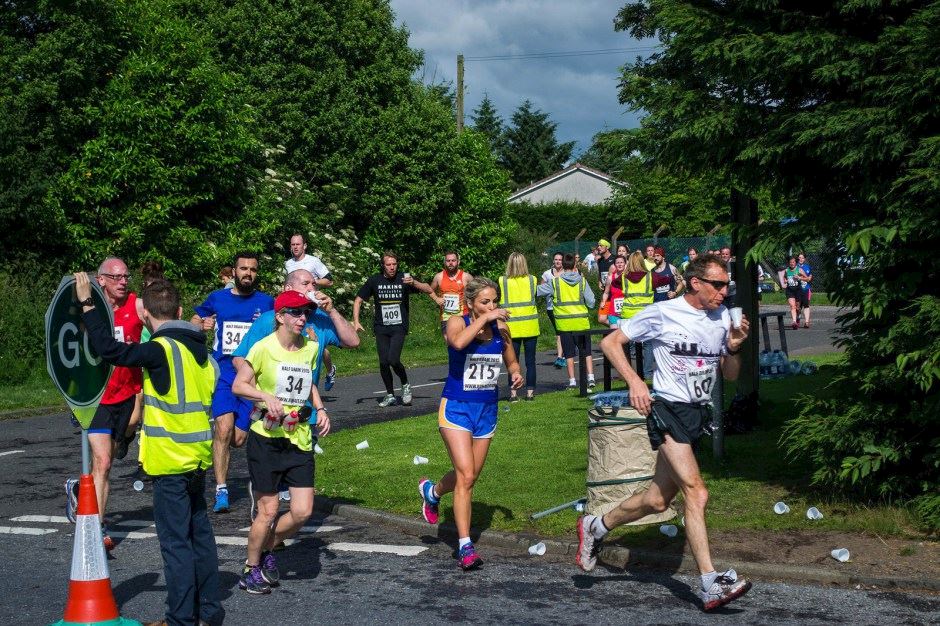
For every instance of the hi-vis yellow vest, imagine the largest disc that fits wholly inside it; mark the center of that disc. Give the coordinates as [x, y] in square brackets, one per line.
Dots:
[568, 303]
[518, 297]
[636, 296]
[176, 436]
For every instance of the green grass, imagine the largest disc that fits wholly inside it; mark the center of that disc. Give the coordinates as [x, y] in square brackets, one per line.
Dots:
[36, 392]
[539, 459]
[820, 298]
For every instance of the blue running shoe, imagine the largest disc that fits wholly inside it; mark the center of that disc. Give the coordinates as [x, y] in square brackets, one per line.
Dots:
[330, 379]
[71, 498]
[221, 501]
[430, 504]
[468, 558]
[269, 571]
[253, 582]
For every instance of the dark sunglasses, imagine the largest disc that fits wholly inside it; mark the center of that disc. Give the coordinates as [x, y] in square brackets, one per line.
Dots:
[295, 312]
[717, 284]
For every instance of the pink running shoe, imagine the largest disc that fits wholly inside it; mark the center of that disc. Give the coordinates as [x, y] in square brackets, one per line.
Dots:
[429, 506]
[468, 558]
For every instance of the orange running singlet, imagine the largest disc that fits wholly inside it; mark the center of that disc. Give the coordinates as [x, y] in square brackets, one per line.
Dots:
[452, 292]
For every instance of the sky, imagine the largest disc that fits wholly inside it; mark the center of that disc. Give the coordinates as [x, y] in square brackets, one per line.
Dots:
[579, 93]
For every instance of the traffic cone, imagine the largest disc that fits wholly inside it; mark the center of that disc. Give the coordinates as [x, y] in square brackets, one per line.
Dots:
[90, 598]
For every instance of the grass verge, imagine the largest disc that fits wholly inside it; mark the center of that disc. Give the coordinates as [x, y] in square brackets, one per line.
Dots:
[38, 391]
[539, 459]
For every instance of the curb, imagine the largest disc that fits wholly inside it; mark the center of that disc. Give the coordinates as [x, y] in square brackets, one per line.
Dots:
[619, 556]
[32, 412]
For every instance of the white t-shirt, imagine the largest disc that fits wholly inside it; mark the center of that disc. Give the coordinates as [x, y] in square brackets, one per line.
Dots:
[687, 344]
[310, 263]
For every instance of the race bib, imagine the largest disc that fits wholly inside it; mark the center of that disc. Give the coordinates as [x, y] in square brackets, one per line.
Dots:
[451, 303]
[792, 281]
[699, 382]
[391, 315]
[604, 277]
[293, 383]
[618, 305]
[119, 333]
[481, 372]
[663, 288]
[232, 333]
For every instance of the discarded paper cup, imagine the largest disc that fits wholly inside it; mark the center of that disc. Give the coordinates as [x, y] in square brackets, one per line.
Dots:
[780, 508]
[362, 445]
[420, 460]
[669, 530]
[579, 507]
[736, 314]
[138, 485]
[813, 513]
[317, 449]
[840, 554]
[537, 550]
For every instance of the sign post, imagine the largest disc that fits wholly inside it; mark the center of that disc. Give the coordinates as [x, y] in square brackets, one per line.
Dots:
[78, 373]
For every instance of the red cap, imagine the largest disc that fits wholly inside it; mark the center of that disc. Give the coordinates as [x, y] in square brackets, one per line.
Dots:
[660, 251]
[291, 300]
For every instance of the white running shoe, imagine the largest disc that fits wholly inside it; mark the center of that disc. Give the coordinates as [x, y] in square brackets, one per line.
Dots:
[388, 400]
[727, 587]
[284, 496]
[588, 545]
[406, 394]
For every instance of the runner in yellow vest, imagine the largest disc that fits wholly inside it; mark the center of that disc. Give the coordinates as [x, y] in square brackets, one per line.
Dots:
[571, 298]
[517, 295]
[179, 377]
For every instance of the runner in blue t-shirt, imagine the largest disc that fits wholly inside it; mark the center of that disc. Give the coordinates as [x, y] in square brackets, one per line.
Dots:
[478, 345]
[230, 312]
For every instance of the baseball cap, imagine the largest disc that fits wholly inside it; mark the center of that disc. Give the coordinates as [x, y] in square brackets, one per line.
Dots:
[660, 251]
[292, 300]
[603, 242]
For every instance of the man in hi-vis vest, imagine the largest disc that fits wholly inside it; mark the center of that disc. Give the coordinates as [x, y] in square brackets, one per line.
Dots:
[571, 298]
[179, 377]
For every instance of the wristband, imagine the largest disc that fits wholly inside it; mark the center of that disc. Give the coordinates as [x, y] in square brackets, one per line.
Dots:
[322, 408]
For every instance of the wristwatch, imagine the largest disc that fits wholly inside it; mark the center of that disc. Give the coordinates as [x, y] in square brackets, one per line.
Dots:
[87, 302]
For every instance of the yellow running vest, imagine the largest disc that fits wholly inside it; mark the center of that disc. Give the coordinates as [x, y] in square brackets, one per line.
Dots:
[568, 303]
[518, 297]
[636, 296]
[176, 436]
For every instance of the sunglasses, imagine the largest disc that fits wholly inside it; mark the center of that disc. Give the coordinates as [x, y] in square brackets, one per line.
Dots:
[717, 284]
[295, 312]
[117, 277]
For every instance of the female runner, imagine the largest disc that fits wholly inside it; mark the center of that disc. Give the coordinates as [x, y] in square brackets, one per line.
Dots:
[612, 300]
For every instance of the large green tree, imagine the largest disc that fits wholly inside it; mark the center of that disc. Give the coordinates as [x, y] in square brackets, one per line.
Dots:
[833, 107]
[530, 149]
[486, 120]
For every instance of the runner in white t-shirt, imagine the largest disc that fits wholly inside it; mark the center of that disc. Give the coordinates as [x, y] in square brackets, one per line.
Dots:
[300, 260]
[693, 342]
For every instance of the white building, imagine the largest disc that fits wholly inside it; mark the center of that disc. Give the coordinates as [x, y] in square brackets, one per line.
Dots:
[575, 183]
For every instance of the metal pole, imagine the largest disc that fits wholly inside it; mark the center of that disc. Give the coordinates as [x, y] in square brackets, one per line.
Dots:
[560, 507]
[86, 460]
[459, 104]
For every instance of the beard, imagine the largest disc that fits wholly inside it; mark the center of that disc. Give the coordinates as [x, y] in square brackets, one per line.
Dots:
[245, 285]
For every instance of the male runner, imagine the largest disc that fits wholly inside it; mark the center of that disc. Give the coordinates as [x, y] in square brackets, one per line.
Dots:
[322, 277]
[447, 288]
[604, 260]
[110, 424]
[231, 312]
[692, 338]
[667, 282]
[648, 261]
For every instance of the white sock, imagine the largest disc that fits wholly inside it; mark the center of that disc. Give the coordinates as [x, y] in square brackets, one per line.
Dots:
[708, 579]
[463, 541]
[590, 378]
[598, 530]
[220, 486]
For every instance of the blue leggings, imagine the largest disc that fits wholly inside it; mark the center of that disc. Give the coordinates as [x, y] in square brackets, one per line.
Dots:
[529, 344]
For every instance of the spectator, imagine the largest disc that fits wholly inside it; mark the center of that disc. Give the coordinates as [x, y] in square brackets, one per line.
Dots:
[691, 254]
[571, 297]
[547, 277]
[648, 260]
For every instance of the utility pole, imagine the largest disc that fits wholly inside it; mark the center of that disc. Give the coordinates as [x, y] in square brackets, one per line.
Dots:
[459, 93]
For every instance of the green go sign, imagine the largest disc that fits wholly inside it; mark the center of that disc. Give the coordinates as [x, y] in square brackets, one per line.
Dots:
[78, 373]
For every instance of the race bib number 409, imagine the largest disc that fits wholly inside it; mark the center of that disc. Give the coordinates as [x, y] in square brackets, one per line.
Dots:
[699, 382]
[232, 333]
[481, 372]
[293, 383]
[391, 315]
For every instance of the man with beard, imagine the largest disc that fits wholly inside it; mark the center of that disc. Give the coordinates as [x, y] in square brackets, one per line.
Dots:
[447, 288]
[230, 312]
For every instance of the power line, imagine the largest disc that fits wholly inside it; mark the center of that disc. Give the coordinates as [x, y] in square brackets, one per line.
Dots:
[558, 55]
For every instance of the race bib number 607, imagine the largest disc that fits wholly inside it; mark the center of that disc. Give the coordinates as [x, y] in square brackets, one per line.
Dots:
[481, 372]
[699, 383]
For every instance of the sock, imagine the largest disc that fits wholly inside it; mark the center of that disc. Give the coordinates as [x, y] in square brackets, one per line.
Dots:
[463, 541]
[220, 486]
[590, 378]
[598, 529]
[708, 579]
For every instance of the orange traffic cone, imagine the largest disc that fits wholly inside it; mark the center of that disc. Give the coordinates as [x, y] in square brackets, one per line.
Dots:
[90, 598]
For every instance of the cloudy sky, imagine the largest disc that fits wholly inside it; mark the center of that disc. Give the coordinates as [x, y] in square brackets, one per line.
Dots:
[579, 92]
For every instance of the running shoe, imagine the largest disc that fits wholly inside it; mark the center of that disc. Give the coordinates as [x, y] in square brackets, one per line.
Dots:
[330, 379]
[106, 539]
[805, 324]
[591, 384]
[388, 400]
[284, 496]
[795, 325]
[513, 397]
[727, 587]
[71, 499]
[253, 581]
[253, 510]
[572, 384]
[221, 501]
[429, 508]
[406, 394]
[269, 571]
[588, 545]
[559, 363]
[468, 558]
[74, 420]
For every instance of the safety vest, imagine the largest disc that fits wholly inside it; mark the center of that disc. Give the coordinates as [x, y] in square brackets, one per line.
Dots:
[636, 296]
[518, 297]
[568, 302]
[176, 436]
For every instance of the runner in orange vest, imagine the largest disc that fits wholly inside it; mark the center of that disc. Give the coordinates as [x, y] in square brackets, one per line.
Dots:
[447, 288]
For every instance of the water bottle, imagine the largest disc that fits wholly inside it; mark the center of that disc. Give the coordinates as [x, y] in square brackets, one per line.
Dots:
[764, 364]
[809, 368]
[777, 364]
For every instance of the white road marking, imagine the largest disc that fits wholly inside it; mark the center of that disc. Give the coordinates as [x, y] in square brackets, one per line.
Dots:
[11, 452]
[131, 534]
[243, 541]
[307, 529]
[375, 393]
[49, 519]
[25, 530]
[377, 547]
[136, 523]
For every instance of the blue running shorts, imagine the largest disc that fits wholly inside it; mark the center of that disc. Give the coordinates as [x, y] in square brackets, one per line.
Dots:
[224, 401]
[476, 418]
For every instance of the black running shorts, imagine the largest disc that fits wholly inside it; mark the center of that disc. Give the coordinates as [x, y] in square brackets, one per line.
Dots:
[683, 422]
[113, 419]
[273, 461]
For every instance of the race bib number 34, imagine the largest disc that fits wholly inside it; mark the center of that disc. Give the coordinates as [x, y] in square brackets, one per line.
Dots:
[232, 333]
[481, 372]
[699, 382]
[293, 383]
[391, 315]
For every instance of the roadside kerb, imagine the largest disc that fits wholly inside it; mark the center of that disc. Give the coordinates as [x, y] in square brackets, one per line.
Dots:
[619, 556]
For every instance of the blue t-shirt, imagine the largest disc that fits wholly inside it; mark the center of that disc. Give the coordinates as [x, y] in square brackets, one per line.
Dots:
[323, 327]
[473, 373]
[806, 270]
[234, 316]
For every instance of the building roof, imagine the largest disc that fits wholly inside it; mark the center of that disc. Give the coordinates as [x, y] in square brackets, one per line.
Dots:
[571, 169]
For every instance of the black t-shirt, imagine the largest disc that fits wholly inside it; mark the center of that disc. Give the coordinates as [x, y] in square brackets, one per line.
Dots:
[390, 301]
[603, 266]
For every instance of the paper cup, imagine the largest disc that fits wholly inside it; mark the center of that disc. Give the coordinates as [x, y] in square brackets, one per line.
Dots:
[537, 550]
[362, 445]
[840, 554]
[317, 449]
[780, 508]
[138, 485]
[736, 314]
[813, 513]
[669, 530]
[420, 460]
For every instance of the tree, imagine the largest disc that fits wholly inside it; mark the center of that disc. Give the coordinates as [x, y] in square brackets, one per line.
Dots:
[530, 150]
[486, 120]
[833, 108]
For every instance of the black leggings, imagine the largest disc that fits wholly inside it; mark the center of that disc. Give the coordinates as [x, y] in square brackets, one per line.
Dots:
[528, 344]
[389, 347]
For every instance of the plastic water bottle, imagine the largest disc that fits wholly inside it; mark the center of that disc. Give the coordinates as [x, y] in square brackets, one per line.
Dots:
[795, 367]
[809, 368]
[764, 364]
[138, 485]
[778, 364]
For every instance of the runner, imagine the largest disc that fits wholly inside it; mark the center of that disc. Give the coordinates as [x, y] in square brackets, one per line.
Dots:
[807, 286]
[111, 424]
[517, 295]
[604, 260]
[231, 312]
[612, 300]
[667, 282]
[692, 337]
[280, 444]
[478, 345]
[390, 291]
[547, 277]
[796, 295]
[447, 288]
